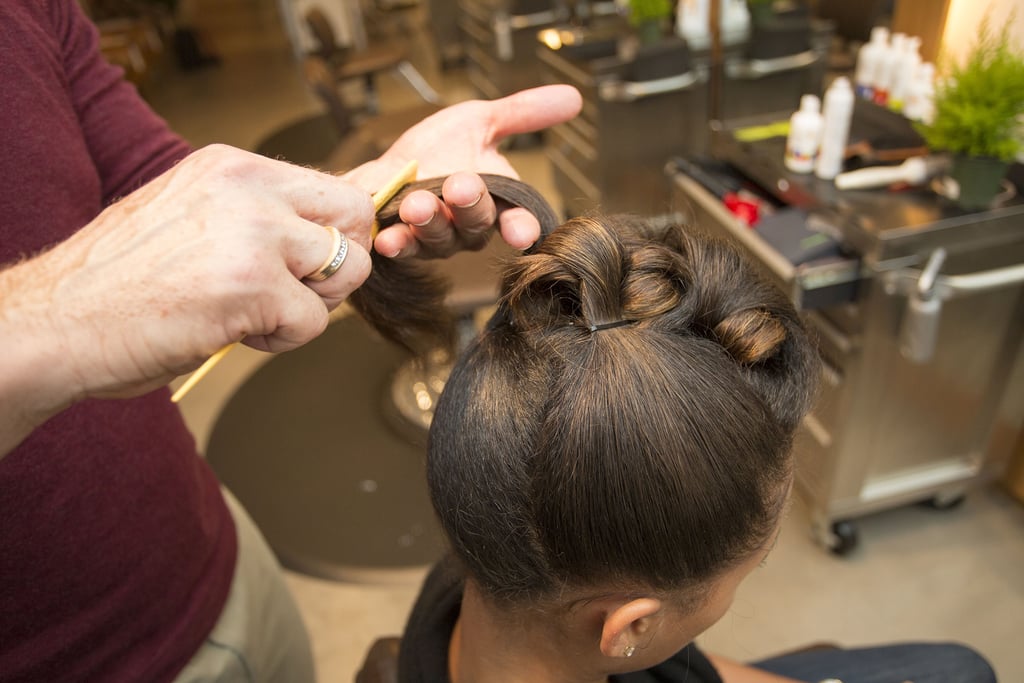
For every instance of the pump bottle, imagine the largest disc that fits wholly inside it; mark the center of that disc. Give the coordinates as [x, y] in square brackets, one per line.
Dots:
[868, 59]
[804, 135]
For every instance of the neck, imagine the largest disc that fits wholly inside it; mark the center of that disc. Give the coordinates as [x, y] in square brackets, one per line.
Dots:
[490, 648]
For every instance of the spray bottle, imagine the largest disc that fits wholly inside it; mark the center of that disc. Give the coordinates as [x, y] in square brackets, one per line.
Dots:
[804, 135]
[836, 113]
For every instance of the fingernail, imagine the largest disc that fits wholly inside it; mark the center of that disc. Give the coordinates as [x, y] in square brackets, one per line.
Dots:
[472, 203]
[424, 223]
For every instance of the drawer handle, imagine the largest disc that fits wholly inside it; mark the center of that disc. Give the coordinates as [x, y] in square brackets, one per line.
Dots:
[926, 290]
[752, 69]
[631, 91]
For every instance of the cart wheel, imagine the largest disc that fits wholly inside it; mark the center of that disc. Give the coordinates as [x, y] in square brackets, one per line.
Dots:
[843, 538]
[946, 501]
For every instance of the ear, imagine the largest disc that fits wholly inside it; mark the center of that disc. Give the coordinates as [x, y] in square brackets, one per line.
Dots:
[624, 626]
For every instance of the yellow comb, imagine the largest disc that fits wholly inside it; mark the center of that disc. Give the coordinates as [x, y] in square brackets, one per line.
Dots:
[388, 192]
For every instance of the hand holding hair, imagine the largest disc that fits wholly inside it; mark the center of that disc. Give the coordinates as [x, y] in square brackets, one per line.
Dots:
[212, 252]
[465, 136]
[404, 299]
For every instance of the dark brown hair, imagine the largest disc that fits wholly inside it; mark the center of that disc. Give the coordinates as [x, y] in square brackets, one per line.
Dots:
[625, 417]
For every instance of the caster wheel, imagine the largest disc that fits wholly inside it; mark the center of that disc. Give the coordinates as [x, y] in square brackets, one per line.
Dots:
[844, 538]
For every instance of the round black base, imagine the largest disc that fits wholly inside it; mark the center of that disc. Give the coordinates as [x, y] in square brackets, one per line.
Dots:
[308, 447]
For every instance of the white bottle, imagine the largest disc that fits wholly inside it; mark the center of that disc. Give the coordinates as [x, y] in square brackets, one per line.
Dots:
[734, 24]
[693, 22]
[867, 61]
[905, 72]
[920, 101]
[888, 66]
[837, 112]
[804, 135]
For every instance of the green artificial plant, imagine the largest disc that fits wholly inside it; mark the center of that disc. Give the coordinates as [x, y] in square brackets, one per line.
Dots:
[649, 17]
[979, 104]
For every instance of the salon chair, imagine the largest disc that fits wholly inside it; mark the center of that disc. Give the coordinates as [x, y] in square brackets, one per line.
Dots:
[389, 18]
[350, 63]
[381, 662]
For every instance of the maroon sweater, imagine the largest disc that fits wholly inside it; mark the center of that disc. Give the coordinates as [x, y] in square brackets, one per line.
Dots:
[116, 548]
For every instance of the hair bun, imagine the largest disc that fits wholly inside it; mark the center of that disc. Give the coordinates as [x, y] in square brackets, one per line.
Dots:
[750, 336]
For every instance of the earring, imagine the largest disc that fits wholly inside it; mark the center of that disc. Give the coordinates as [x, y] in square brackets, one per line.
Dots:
[628, 652]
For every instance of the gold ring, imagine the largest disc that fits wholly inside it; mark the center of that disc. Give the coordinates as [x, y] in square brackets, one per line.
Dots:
[338, 253]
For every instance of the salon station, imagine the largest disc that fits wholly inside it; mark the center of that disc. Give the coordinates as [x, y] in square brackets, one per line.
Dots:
[834, 143]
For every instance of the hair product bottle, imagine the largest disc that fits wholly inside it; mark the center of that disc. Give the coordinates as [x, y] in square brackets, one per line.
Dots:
[868, 59]
[734, 24]
[804, 135]
[693, 22]
[919, 104]
[837, 112]
[888, 67]
[905, 72]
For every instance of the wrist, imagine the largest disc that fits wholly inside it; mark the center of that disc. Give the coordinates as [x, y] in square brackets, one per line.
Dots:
[36, 381]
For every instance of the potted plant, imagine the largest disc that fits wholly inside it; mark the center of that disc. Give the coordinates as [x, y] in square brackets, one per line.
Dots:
[761, 11]
[977, 116]
[649, 19]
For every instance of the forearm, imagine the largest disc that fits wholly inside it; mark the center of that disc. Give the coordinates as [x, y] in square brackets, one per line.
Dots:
[732, 671]
[32, 386]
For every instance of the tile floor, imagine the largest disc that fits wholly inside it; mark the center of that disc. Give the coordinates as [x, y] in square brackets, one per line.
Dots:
[919, 574]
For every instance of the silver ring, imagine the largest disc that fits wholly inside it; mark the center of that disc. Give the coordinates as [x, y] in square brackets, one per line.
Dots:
[332, 264]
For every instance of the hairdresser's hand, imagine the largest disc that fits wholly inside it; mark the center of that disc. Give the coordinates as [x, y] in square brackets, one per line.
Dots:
[464, 137]
[212, 252]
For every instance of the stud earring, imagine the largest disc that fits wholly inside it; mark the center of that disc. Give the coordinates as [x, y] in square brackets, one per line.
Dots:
[628, 652]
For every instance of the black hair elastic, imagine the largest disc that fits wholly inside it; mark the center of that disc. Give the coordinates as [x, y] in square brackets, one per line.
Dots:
[608, 326]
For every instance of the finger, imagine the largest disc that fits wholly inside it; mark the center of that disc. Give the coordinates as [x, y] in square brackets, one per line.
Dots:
[531, 110]
[471, 206]
[519, 228]
[353, 272]
[397, 241]
[308, 247]
[420, 207]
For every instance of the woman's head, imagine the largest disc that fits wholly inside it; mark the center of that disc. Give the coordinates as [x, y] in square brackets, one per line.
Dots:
[625, 419]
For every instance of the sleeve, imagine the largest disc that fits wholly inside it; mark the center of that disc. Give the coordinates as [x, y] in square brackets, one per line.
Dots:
[128, 142]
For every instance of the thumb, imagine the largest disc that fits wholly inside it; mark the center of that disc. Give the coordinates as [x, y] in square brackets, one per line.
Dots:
[534, 109]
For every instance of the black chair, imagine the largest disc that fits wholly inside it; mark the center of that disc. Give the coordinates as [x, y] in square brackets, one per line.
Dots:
[346, 63]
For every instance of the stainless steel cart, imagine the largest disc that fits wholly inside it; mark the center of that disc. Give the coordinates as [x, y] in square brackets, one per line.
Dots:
[919, 324]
